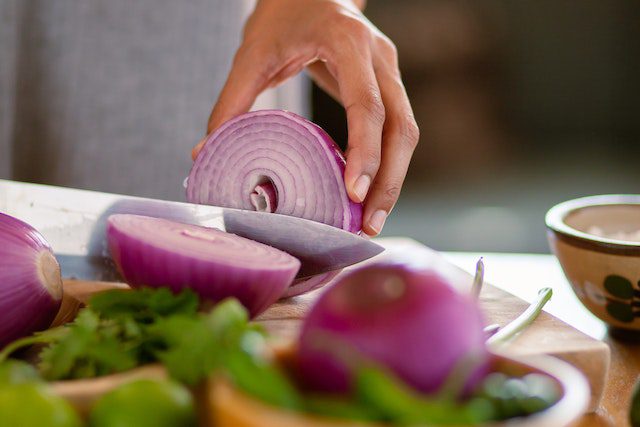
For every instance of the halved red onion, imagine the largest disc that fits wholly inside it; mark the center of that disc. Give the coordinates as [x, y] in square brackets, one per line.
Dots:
[409, 320]
[30, 282]
[275, 161]
[157, 252]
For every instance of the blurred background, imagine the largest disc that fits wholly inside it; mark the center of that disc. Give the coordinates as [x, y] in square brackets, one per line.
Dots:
[521, 105]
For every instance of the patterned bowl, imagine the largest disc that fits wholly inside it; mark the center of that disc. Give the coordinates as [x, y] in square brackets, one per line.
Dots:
[597, 241]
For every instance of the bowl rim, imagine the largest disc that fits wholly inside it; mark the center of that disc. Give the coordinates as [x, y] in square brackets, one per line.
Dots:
[555, 221]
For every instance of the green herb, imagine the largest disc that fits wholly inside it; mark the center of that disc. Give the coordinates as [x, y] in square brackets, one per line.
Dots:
[143, 305]
[521, 322]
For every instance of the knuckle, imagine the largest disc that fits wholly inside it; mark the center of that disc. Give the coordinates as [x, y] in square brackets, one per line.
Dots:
[392, 192]
[388, 48]
[354, 28]
[371, 102]
[410, 132]
[372, 158]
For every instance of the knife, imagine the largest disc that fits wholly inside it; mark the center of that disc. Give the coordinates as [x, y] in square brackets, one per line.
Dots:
[74, 222]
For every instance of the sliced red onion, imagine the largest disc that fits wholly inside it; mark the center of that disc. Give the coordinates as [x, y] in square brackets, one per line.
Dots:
[275, 161]
[157, 252]
[409, 320]
[30, 282]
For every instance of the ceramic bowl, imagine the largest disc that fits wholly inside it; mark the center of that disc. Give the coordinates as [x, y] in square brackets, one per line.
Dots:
[231, 407]
[597, 241]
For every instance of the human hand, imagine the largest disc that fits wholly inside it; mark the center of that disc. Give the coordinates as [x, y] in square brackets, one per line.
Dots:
[354, 62]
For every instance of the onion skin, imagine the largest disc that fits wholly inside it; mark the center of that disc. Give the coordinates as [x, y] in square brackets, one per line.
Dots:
[299, 159]
[410, 321]
[30, 281]
[157, 253]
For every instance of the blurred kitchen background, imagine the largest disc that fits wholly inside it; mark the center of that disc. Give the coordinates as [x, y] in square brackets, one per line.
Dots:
[521, 105]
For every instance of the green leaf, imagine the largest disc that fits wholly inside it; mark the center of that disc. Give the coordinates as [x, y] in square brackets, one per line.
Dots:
[398, 403]
[340, 408]
[262, 379]
[618, 286]
[191, 351]
[144, 305]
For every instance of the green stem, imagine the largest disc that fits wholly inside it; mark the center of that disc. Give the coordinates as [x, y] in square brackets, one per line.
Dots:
[521, 322]
[478, 279]
[45, 337]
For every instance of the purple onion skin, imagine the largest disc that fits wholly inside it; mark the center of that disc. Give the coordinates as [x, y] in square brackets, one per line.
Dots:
[410, 321]
[202, 188]
[143, 263]
[30, 281]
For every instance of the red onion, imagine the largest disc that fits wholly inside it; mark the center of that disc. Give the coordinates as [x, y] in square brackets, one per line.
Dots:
[30, 282]
[275, 161]
[410, 321]
[157, 252]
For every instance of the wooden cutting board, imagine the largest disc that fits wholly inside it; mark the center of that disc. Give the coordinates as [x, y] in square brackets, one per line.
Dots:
[547, 335]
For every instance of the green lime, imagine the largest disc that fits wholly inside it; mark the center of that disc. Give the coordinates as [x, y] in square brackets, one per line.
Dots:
[634, 412]
[34, 405]
[14, 371]
[145, 403]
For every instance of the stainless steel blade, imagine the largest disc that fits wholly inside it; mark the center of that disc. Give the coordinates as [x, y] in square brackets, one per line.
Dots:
[73, 222]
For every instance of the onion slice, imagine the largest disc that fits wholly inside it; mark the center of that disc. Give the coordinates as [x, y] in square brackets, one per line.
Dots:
[275, 161]
[156, 252]
[30, 281]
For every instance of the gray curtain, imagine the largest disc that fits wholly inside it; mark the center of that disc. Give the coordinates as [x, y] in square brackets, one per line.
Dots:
[111, 95]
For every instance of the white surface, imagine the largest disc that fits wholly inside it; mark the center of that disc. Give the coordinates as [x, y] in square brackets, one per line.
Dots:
[523, 274]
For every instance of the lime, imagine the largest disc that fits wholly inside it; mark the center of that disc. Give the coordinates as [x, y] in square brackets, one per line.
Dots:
[34, 405]
[16, 372]
[145, 403]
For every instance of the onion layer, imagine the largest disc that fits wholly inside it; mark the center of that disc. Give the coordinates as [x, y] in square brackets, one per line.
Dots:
[275, 161]
[30, 281]
[410, 321]
[157, 252]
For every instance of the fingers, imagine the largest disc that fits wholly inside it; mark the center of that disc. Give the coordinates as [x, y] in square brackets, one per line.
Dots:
[365, 118]
[400, 137]
[251, 72]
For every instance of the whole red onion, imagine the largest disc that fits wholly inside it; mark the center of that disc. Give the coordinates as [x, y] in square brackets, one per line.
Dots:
[408, 320]
[30, 282]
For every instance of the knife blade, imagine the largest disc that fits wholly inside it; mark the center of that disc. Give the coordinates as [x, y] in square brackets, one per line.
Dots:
[74, 222]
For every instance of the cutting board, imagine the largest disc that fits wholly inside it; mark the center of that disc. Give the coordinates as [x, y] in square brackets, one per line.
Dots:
[547, 335]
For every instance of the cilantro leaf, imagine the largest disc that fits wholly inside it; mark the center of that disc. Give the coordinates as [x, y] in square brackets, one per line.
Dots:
[190, 353]
[143, 305]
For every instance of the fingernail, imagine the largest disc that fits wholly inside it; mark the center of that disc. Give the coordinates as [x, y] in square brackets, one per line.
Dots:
[361, 187]
[377, 220]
